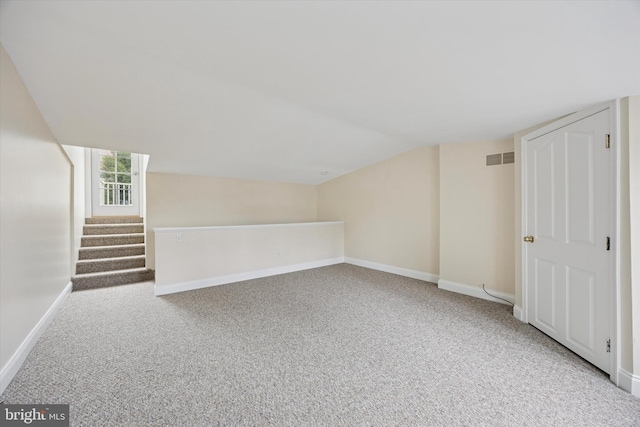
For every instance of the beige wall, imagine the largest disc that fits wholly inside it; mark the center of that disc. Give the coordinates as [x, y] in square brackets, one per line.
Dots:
[194, 257]
[196, 201]
[390, 211]
[76, 156]
[634, 231]
[35, 214]
[626, 303]
[476, 216]
[629, 172]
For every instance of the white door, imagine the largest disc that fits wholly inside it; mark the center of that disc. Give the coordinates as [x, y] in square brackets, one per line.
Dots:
[568, 264]
[115, 183]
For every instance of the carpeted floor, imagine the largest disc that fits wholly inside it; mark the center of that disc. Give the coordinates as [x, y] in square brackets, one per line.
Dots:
[339, 345]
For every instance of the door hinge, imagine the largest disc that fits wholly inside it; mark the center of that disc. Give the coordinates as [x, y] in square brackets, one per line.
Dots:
[609, 346]
[607, 142]
[608, 243]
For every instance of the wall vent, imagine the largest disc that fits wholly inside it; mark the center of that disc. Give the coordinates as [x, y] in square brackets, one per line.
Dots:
[508, 157]
[494, 159]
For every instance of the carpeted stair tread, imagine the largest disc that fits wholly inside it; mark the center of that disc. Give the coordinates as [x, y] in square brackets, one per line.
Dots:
[112, 239]
[110, 264]
[111, 278]
[114, 220]
[108, 273]
[111, 251]
[107, 229]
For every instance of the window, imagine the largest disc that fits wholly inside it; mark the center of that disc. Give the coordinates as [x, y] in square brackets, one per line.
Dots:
[115, 178]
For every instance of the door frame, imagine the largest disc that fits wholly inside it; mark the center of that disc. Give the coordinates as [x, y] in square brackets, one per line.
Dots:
[615, 321]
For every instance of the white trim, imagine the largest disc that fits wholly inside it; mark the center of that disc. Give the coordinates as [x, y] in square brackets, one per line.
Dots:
[414, 274]
[239, 277]
[615, 328]
[517, 312]
[629, 382]
[475, 291]
[219, 227]
[15, 362]
[524, 314]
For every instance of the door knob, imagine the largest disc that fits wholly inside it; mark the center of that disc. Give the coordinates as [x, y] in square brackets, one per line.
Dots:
[529, 239]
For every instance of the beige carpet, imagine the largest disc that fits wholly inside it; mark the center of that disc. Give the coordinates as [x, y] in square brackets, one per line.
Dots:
[339, 345]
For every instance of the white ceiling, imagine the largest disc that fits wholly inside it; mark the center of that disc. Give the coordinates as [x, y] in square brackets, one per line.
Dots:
[284, 90]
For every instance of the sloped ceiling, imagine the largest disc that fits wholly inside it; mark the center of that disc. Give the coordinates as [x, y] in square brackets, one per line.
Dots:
[285, 90]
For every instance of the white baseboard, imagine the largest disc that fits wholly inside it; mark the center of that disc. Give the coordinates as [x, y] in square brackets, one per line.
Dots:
[414, 274]
[239, 277]
[629, 382]
[517, 313]
[13, 365]
[475, 291]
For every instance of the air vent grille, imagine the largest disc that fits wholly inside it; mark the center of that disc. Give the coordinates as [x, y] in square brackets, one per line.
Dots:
[494, 159]
[500, 158]
[508, 157]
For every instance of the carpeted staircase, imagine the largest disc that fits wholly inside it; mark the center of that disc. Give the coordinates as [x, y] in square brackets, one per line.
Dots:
[111, 253]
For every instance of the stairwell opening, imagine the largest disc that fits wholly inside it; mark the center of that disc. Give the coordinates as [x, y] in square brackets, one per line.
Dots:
[111, 247]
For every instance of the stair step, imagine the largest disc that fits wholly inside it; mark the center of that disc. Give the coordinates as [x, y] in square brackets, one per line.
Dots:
[114, 220]
[96, 229]
[109, 264]
[113, 251]
[111, 278]
[111, 239]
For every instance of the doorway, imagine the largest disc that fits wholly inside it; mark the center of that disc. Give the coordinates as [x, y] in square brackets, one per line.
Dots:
[115, 183]
[568, 252]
